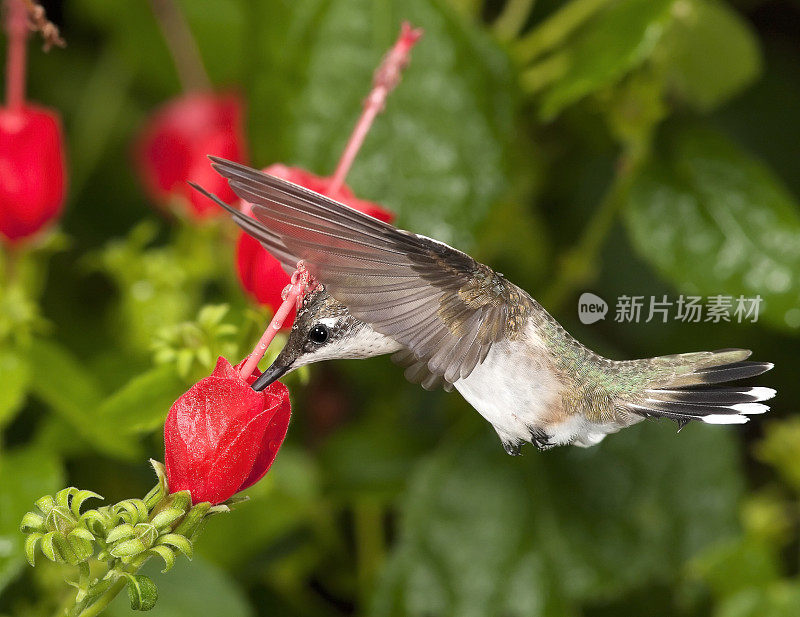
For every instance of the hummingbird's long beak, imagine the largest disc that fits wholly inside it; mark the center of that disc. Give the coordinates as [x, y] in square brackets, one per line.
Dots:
[273, 373]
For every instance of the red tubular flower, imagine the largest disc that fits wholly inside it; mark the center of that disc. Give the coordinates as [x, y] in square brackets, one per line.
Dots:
[32, 170]
[260, 273]
[323, 185]
[173, 147]
[222, 436]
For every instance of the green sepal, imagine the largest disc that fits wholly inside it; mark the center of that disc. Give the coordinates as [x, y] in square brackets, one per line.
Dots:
[166, 554]
[178, 541]
[160, 490]
[49, 548]
[147, 533]
[131, 511]
[128, 548]
[83, 534]
[190, 522]
[45, 504]
[166, 517]
[31, 522]
[79, 497]
[60, 519]
[220, 508]
[142, 592]
[66, 549]
[120, 532]
[97, 521]
[80, 545]
[31, 543]
[63, 496]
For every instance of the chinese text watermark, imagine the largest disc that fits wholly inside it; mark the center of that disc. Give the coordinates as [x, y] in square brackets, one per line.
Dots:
[683, 308]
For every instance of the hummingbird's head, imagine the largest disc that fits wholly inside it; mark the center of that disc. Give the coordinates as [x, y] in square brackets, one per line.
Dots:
[325, 330]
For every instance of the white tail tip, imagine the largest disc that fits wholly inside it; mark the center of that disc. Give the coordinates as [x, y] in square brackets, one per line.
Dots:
[718, 418]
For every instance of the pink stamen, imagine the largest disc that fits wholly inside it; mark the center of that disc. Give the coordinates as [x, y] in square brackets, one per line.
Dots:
[386, 77]
[16, 24]
[302, 281]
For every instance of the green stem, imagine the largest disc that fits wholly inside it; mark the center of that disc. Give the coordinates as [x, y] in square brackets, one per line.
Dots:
[556, 28]
[579, 263]
[513, 18]
[101, 602]
[370, 542]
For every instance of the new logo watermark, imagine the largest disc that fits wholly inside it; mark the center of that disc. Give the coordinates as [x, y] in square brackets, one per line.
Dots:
[591, 308]
[687, 309]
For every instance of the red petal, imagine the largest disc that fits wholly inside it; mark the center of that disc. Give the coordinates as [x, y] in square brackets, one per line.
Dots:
[32, 170]
[277, 405]
[212, 435]
[261, 274]
[173, 147]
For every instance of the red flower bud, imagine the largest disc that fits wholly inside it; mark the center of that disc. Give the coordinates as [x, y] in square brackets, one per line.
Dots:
[322, 185]
[173, 148]
[260, 273]
[222, 436]
[32, 170]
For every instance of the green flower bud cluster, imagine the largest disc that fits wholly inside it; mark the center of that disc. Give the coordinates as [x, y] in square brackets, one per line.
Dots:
[124, 535]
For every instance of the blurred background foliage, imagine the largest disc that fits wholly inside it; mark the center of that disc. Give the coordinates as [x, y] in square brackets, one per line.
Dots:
[642, 147]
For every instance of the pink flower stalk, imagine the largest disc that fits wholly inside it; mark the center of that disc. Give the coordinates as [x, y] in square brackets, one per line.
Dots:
[259, 272]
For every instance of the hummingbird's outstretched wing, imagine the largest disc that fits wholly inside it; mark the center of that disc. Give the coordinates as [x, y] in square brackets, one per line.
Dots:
[438, 302]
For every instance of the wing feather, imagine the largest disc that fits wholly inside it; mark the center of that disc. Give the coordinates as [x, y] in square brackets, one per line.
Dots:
[443, 306]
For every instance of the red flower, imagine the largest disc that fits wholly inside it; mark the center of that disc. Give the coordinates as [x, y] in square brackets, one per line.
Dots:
[32, 170]
[322, 185]
[173, 147]
[260, 273]
[222, 436]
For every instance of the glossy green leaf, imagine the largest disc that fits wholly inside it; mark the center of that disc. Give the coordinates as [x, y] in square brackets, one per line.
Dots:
[487, 534]
[25, 475]
[711, 53]
[16, 378]
[72, 393]
[604, 50]
[218, 28]
[141, 405]
[714, 220]
[436, 154]
[292, 496]
[782, 599]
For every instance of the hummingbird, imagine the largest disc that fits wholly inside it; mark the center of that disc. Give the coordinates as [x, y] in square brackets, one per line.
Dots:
[453, 322]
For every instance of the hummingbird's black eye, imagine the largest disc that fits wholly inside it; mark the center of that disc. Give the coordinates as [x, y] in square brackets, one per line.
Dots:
[318, 334]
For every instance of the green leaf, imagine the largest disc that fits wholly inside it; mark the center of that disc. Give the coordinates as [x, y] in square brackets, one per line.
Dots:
[142, 592]
[436, 156]
[484, 533]
[195, 588]
[24, 476]
[217, 27]
[616, 41]
[713, 220]
[291, 493]
[781, 449]
[141, 405]
[72, 393]
[711, 53]
[782, 599]
[16, 380]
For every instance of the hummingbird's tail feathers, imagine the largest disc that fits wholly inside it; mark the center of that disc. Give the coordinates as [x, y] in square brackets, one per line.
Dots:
[692, 393]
